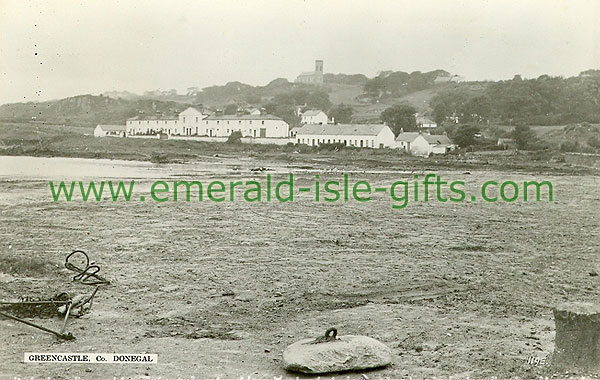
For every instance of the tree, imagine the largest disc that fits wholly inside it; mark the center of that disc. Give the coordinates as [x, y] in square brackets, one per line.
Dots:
[318, 100]
[594, 142]
[285, 111]
[400, 117]
[524, 137]
[464, 135]
[230, 109]
[341, 113]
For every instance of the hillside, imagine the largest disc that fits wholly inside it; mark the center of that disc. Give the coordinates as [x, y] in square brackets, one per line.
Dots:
[85, 110]
[542, 101]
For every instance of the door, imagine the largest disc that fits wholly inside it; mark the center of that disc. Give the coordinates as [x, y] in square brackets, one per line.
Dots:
[263, 132]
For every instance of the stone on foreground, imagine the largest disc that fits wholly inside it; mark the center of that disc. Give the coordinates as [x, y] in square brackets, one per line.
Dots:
[344, 353]
[577, 341]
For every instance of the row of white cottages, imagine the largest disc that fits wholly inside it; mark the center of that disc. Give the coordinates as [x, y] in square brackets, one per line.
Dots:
[193, 122]
[372, 136]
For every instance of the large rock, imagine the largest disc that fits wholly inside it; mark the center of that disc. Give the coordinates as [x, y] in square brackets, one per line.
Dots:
[577, 340]
[344, 353]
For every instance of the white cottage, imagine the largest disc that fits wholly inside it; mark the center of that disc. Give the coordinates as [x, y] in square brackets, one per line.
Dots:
[103, 130]
[356, 135]
[264, 126]
[425, 122]
[424, 144]
[151, 125]
[314, 117]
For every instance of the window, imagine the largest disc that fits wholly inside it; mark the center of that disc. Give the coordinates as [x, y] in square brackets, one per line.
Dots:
[239, 122]
[263, 122]
[196, 119]
[298, 141]
[250, 121]
[184, 119]
[217, 121]
[206, 121]
[227, 121]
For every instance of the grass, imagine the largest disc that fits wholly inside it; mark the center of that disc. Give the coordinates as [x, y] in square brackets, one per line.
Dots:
[28, 139]
[28, 265]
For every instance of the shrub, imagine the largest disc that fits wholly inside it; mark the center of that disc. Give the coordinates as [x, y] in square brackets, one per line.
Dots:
[594, 142]
[24, 265]
[159, 158]
[569, 146]
[234, 138]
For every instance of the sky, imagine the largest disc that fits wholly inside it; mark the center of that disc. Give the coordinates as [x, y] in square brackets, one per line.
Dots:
[58, 48]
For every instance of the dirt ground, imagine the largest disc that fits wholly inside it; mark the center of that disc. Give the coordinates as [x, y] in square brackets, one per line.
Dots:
[220, 289]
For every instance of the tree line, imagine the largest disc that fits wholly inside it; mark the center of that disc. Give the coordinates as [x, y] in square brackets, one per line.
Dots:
[542, 101]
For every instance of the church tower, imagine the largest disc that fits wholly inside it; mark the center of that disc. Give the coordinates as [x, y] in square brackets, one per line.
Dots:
[319, 66]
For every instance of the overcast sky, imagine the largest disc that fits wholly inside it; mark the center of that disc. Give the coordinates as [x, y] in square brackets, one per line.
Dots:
[57, 48]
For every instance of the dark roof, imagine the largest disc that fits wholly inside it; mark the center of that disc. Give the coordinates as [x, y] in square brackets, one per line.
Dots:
[407, 136]
[154, 117]
[243, 117]
[309, 73]
[342, 129]
[437, 139]
[112, 127]
[424, 120]
[431, 139]
[312, 113]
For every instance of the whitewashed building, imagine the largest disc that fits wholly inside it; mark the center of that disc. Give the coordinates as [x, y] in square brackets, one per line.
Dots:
[424, 144]
[263, 126]
[294, 131]
[193, 122]
[425, 122]
[314, 117]
[103, 130]
[185, 124]
[356, 135]
[146, 125]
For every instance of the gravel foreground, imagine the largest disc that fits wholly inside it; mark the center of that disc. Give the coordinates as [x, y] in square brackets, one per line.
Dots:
[221, 289]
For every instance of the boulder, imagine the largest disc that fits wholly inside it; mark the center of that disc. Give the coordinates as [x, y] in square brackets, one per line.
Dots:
[336, 354]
